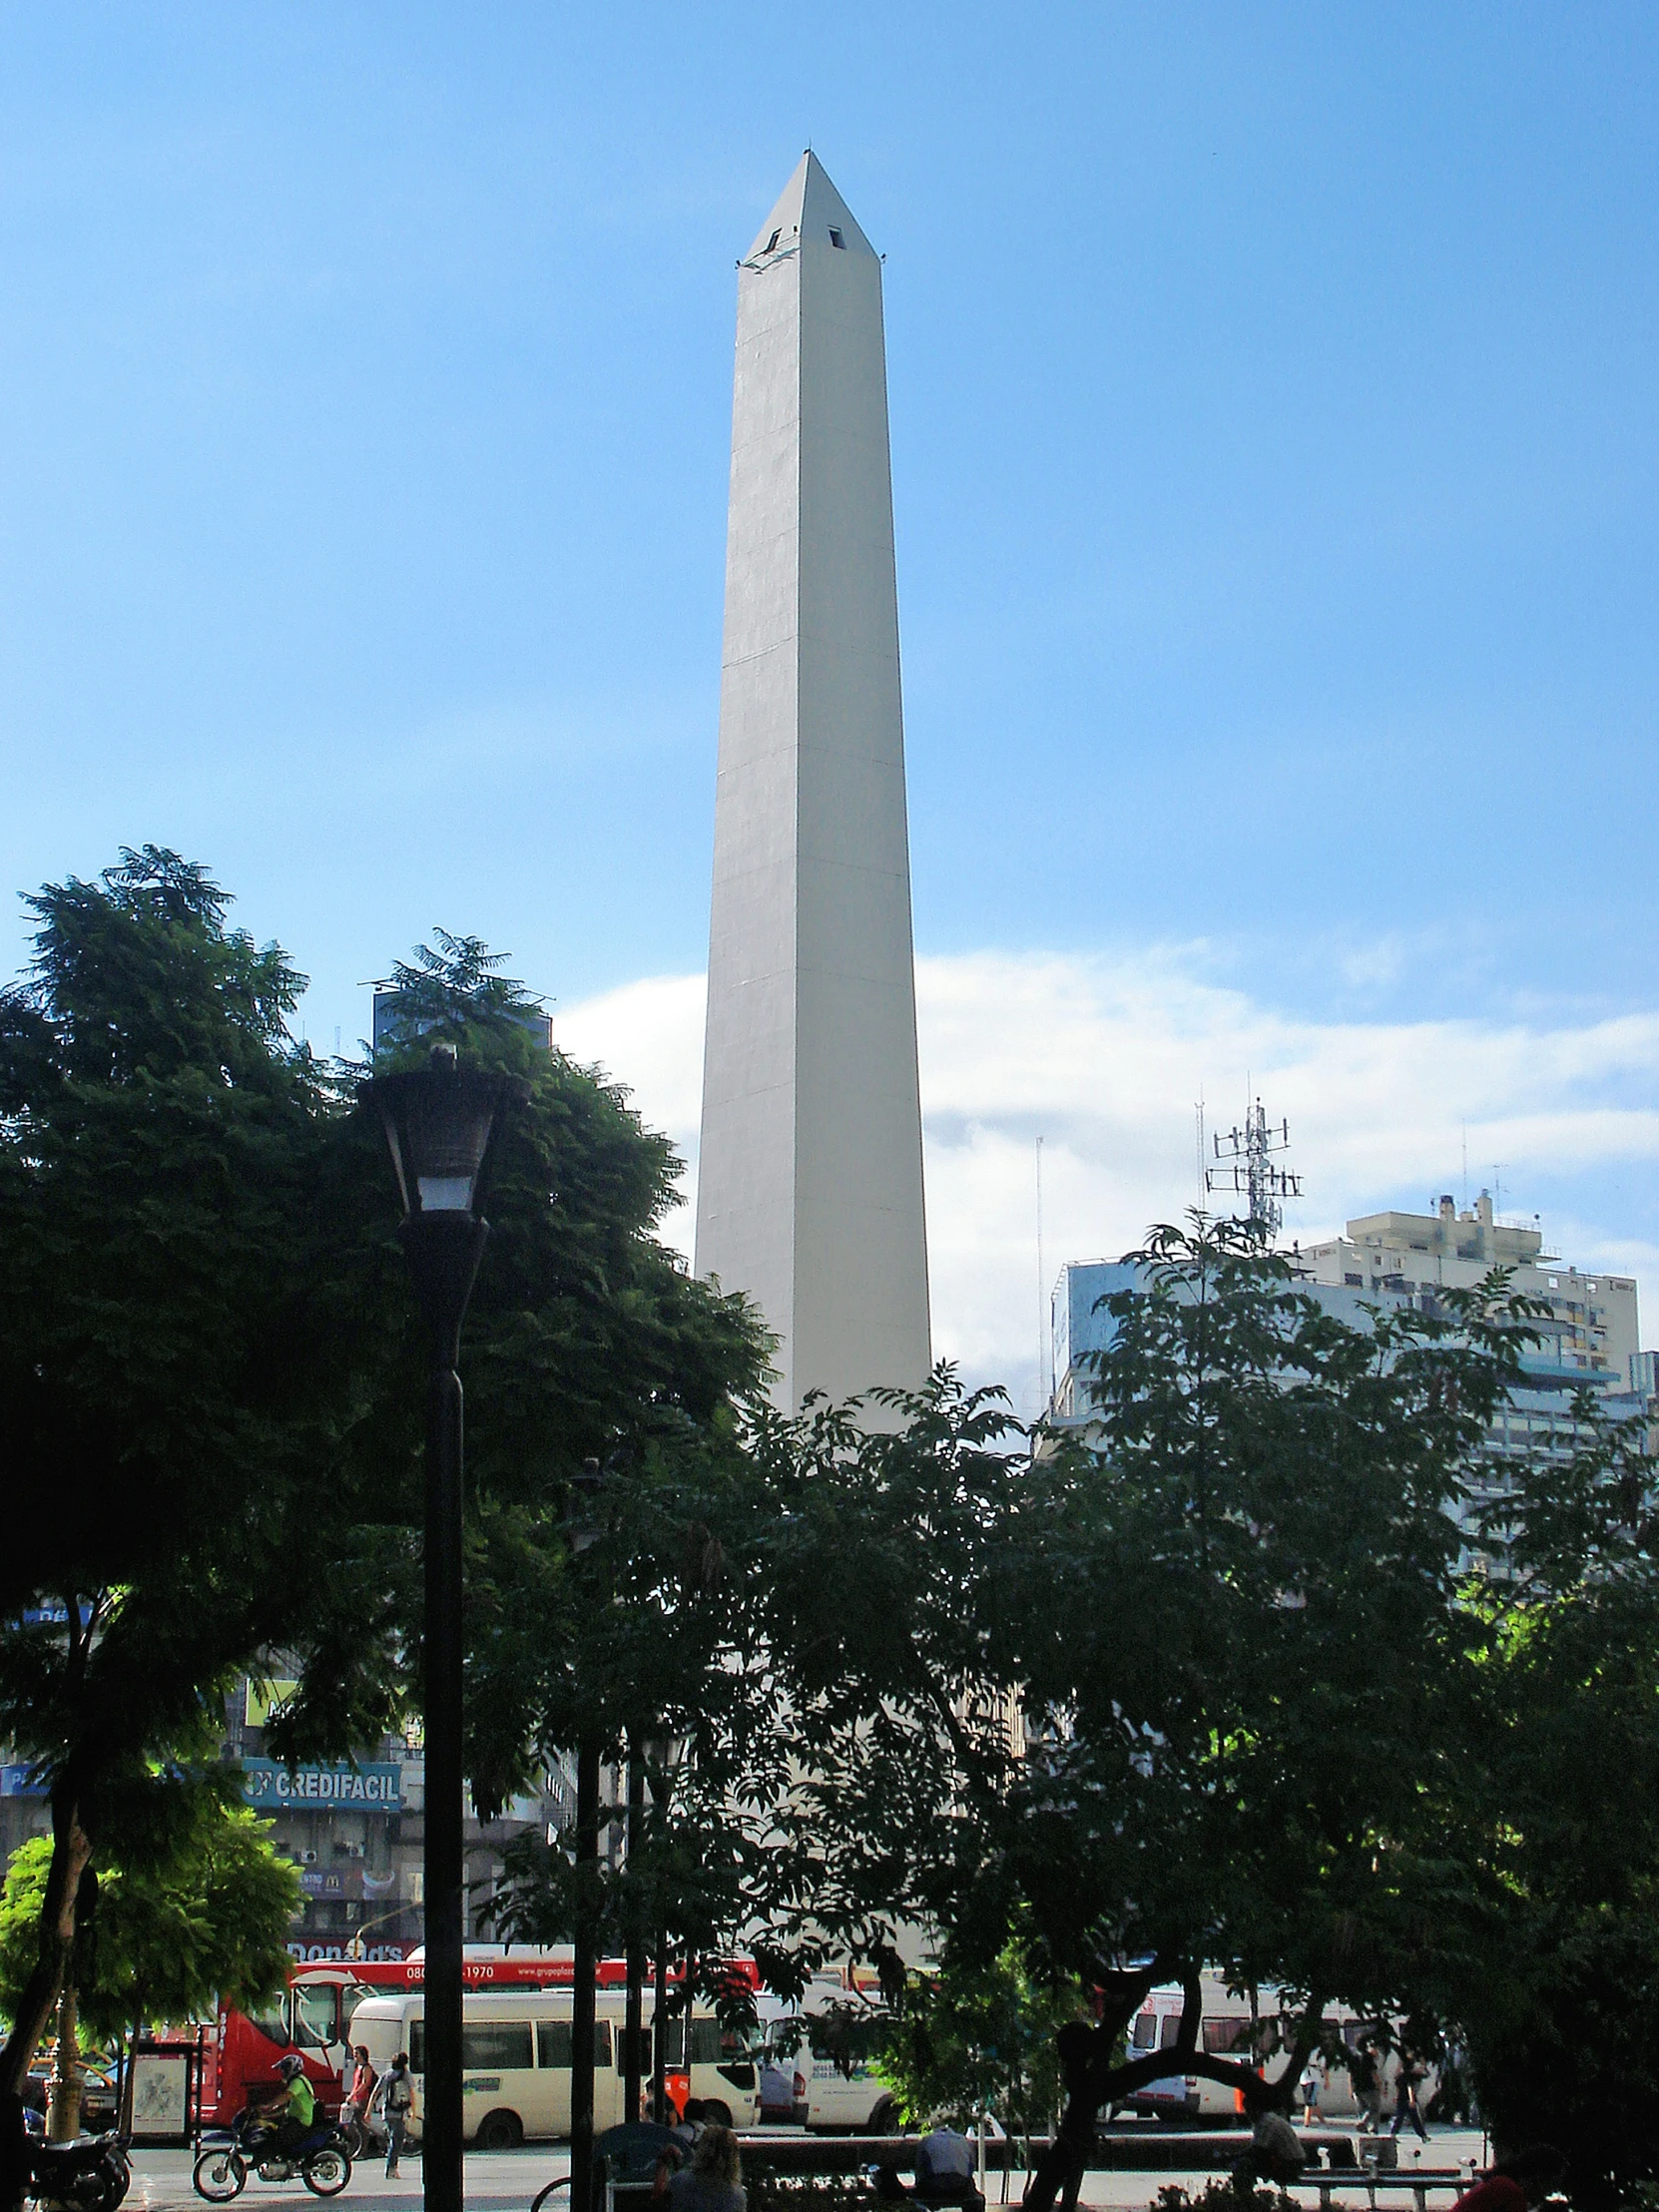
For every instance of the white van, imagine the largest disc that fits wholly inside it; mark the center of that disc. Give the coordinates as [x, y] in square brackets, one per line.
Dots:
[515, 2060]
[844, 2094]
[1225, 2032]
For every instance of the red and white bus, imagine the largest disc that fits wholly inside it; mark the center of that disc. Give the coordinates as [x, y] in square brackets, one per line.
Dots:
[313, 2017]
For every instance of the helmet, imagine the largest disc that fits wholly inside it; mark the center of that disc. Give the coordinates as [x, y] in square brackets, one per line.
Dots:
[289, 2066]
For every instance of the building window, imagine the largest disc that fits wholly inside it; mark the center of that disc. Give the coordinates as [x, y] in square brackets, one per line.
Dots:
[770, 246]
[836, 238]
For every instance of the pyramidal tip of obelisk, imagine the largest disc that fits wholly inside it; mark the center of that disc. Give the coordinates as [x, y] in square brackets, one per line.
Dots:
[810, 1177]
[809, 207]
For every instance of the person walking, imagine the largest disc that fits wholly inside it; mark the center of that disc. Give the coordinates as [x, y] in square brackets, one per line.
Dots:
[1365, 2070]
[395, 2100]
[1405, 2096]
[1309, 2093]
[361, 2095]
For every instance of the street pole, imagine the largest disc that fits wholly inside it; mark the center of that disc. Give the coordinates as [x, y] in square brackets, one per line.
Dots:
[440, 2119]
[440, 1121]
[659, 2035]
[634, 2029]
[584, 1970]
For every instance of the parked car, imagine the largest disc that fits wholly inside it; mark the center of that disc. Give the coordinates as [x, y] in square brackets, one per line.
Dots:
[99, 2093]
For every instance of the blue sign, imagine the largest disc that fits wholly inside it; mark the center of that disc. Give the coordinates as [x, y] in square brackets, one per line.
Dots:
[18, 1781]
[269, 1785]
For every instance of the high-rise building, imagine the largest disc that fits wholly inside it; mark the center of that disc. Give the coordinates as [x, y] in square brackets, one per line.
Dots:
[810, 1194]
[1587, 1336]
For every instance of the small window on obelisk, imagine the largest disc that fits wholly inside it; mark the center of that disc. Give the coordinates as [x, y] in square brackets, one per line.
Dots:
[836, 238]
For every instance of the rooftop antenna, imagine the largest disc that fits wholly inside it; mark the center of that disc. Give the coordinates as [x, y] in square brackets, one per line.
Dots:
[1043, 1295]
[1198, 1113]
[1246, 1167]
[1465, 1167]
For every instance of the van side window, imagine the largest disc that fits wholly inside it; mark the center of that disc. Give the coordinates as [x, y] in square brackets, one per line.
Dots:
[1169, 2029]
[315, 2025]
[1221, 2037]
[1145, 2028]
[554, 2043]
[501, 2045]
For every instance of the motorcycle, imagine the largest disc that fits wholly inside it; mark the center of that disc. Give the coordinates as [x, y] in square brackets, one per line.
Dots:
[91, 2173]
[321, 2159]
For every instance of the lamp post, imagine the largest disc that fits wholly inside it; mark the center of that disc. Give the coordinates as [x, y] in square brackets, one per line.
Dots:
[582, 1531]
[439, 1122]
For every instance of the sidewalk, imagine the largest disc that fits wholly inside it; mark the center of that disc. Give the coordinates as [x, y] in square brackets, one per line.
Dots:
[505, 2182]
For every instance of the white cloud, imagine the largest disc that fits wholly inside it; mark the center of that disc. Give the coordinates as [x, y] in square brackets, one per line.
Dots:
[1106, 1057]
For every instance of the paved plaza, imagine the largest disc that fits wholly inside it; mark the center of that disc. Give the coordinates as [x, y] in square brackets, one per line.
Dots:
[505, 2182]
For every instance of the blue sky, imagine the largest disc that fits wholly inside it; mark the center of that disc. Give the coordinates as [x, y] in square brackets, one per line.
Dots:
[1274, 451]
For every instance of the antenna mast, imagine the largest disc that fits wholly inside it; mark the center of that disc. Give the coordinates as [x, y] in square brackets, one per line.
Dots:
[1246, 1167]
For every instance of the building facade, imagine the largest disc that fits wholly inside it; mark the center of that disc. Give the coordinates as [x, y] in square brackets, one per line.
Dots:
[1587, 1337]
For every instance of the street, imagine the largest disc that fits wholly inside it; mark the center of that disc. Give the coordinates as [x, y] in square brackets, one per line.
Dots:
[505, 2182]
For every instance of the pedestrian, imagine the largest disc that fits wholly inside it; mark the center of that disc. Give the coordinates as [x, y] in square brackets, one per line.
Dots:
[1365, 2070]
[365, 2081]
[1309, 2093]
[1405, 2096]
[713, 2182]
[945, 2169]
[1516, 2183]
[395, 2098]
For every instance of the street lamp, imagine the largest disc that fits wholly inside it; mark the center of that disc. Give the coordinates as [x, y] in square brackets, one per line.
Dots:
[439, 1122]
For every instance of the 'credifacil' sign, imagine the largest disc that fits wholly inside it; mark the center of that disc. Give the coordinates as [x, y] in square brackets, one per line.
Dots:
[268, 1784]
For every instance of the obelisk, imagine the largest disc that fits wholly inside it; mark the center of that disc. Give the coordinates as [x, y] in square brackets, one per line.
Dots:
[810, 1192]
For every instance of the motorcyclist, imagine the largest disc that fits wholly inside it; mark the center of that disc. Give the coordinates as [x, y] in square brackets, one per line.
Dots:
[293, 2111]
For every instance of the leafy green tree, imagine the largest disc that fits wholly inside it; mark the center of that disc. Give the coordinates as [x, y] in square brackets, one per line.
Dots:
[1195, 1689]
[180, 1365]
[208, 1918]
[208, 1345]
[1562, 2017]
[970, 2039]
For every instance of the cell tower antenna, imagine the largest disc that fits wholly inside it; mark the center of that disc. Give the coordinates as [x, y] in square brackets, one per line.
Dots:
[1198, 1113]
[1042, 1292]
[1245, 1158]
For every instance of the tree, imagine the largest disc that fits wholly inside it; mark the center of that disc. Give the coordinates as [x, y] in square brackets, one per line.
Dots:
[208, 1343]
[1561, 2015]
[967, 2041]
[179, 1364]
[1193, 1690]
[199, 1909]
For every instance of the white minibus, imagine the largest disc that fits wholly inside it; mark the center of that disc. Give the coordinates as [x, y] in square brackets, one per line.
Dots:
[515, 2060]
[1226, 2032]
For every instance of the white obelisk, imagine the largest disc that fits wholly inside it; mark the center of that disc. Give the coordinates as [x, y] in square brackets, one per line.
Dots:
[810, 1177]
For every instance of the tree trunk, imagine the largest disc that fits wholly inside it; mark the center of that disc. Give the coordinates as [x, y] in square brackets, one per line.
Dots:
[71, 1850]
[634, 2027]
[64, 2119]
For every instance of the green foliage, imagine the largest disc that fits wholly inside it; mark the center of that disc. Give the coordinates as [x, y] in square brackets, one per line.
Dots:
[210, 1367]
[586, 1340]
[979, 2038]
[164, 1938]
[1563, 2026]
